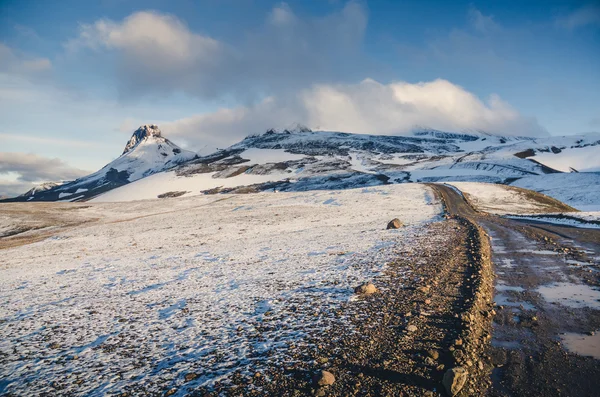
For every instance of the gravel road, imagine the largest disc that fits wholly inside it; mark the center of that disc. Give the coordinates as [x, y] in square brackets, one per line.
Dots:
[545, 333]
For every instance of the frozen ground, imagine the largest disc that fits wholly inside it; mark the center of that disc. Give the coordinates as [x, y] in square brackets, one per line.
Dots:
[157, 293]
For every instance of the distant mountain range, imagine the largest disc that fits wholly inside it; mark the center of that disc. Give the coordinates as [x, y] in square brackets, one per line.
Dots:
[151, 166]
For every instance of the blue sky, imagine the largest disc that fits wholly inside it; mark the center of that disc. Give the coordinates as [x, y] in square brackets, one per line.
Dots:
[76, 78]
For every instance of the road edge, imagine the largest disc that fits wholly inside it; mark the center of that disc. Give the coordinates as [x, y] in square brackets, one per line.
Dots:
[477, 317]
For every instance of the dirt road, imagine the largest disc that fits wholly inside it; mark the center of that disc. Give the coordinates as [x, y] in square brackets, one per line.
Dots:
[546, 332]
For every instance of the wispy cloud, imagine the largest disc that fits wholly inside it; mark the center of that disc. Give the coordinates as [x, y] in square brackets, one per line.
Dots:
[482, 23]
[583, 16]
[17, 63]
[49, 141]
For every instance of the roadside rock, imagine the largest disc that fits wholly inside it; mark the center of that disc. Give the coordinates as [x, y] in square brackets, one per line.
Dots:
[424, 289]
[324, 378]
[365, 289]
[454, 380]
[395, 224]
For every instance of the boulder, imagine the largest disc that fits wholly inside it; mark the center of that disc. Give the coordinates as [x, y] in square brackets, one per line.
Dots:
[365, 289]
[395, 224]
[454, 380]
[324, 378]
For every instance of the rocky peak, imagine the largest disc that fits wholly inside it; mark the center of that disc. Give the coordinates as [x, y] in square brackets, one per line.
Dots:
[144, 132]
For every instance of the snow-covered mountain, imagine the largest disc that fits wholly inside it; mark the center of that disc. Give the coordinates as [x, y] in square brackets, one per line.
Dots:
[302, 159]
[146, 153]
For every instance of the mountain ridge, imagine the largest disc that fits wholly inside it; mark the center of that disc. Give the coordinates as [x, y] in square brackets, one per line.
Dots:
[298, 158]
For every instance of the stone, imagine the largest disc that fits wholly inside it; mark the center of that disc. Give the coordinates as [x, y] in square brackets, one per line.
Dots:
[454, 380]
[365, 289]
[433, 354]
[411, 328]
[324, 378]
[190, 376]
[170, 392]
[395, 224]
[424, 290]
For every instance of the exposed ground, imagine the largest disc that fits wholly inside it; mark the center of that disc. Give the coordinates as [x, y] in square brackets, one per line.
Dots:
[547, 293]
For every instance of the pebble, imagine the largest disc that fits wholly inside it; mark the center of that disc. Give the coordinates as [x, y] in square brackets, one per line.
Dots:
[324, 378]
[424, 290]
[411, 328]
[365, 289]
[454, 380]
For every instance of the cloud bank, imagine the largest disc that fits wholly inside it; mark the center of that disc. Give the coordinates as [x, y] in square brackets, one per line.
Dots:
[368, 107]
[158, 53]
[26, 170]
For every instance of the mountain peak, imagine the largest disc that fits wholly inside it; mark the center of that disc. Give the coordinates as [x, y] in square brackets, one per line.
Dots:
[144, 132]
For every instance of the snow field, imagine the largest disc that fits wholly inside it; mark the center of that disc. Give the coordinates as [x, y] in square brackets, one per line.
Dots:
[498, 199]
[209, 285]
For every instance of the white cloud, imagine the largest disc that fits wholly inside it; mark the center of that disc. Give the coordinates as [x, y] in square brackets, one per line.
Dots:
[584, 16]
[372, 107]
[158, 53]
[482, 23]
[281, 15]
[367, 107]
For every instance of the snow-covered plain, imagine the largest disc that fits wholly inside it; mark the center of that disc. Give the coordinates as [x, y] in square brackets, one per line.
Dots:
[206, 285]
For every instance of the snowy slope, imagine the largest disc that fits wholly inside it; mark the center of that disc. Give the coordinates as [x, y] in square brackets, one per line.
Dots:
[301, 160]
[580, 190]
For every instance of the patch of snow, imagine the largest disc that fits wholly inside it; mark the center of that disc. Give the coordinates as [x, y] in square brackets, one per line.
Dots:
[498, 199]
[585, 159]
[152, 186]
[586, 220]
[264, 156]
[579, 190]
